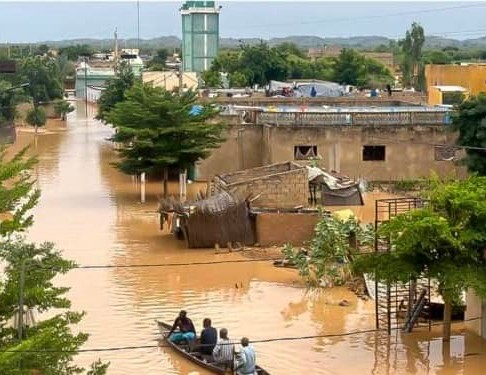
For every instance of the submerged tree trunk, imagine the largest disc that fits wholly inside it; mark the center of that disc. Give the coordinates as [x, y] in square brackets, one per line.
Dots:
[166, 179]
[446, 330]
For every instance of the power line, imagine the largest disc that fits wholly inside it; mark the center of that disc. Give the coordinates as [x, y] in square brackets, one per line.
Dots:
[173, 264]
[277, 339]
[352, 19]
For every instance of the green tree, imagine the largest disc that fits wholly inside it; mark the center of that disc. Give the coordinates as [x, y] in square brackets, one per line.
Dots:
[158, 130]
[62, 108]
[290, 48]
[445, 242]
[470, 122]
[17, 193]
[43, 75]
[350, 68]
[66, 68]
[73, 52]
[331, 251]
[7, 102]
[261, 64]
[115, 90]
[211, 78]
[158, 60]
[237, 79]
[437, 57]
[42, 49]
[413, 68]
[36, 117]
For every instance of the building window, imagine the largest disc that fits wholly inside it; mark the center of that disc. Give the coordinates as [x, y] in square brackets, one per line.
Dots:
[445, 153]
[305, 152]
[452, 98]
[374, 153]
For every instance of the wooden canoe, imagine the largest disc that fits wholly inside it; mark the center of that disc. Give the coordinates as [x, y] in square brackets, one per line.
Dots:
[196, 357]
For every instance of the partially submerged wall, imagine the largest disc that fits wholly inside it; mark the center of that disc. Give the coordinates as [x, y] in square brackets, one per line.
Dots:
[281, 189]
[280, 228]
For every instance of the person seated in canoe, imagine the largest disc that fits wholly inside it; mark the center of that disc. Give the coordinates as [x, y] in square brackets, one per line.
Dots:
[186, 332]
[224, 350]
[209, 337]
[246, 359]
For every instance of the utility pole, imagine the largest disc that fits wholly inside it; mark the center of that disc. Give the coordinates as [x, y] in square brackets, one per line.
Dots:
[86, 84]
[181, 77]
[183, 173]
[138, 26]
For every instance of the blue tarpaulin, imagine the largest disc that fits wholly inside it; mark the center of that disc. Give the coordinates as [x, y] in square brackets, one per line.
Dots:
[196, 110]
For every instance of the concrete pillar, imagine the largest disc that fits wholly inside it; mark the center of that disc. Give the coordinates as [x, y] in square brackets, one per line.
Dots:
[475, 308]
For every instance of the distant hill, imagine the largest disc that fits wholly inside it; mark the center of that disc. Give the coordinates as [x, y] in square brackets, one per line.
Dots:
[359, 42]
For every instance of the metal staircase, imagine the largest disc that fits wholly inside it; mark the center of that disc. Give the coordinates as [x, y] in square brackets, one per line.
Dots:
[394, 302]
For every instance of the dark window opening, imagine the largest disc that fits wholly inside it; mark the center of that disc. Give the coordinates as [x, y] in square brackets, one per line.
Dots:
[305, 152]
[445, 153]
[373, 153]
[452, 98]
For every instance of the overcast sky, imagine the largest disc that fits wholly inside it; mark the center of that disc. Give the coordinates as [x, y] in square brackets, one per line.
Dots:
[40, 21]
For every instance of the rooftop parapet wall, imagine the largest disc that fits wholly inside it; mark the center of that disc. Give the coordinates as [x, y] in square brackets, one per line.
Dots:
[397, 99]
[354, 118]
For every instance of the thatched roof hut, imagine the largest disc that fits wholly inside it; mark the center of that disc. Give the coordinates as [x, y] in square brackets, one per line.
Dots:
[220, 219]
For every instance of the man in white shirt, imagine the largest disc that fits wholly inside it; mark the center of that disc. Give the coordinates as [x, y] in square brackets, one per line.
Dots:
[224, 350]
[247, 360]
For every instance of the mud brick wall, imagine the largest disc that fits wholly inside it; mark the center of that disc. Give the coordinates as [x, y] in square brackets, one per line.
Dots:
[281, 228]
[283, 190]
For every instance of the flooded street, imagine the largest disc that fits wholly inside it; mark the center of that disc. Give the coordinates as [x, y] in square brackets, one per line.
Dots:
[93, 213]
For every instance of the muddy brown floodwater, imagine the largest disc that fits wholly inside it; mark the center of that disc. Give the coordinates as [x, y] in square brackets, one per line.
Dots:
[92, 212]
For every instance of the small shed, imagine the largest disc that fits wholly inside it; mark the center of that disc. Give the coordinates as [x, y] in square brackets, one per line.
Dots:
[332, 189]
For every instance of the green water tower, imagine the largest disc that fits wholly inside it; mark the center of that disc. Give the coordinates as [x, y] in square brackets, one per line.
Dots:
[200, 35]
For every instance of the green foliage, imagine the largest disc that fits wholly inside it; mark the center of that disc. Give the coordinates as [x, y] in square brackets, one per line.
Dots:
[73, 52]
[413, 68]
[44, 76]
[36, 117]
[42, 49]
[66, 67]
[259, 64]
[331, 251]
[62, 108]
[290, 48]
[352, 68]
[410, 185]
[446, 242]
[115, 90]
[17, 193]
[437, 57]
[237, 79]
[158, 60]
[211, 78]
[157, 130]
[470, 122]
[48, 346]
[7, 102]
[98, 368]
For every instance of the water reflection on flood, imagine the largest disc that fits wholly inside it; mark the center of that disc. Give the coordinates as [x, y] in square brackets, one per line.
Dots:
[93, 213]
